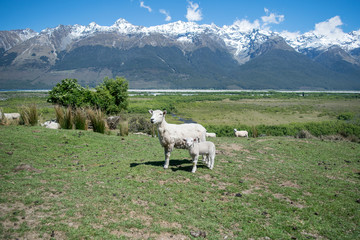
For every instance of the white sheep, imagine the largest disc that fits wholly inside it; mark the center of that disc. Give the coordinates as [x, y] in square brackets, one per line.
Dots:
[51, 125]
[201, 148]
[10, 116]
[172, 135]
[210, 134]
[241, 133]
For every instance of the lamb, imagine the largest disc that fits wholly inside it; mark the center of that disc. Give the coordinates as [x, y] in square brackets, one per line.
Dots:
[172, 135]
[241, 133]
[201, 148]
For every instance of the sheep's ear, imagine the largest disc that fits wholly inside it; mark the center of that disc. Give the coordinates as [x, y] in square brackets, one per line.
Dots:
[165, 112]
[151, 111]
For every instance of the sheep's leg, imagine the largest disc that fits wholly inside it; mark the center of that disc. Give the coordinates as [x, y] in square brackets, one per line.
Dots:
[212, 161]
[208, 162]
[194, 164]
[167, 157]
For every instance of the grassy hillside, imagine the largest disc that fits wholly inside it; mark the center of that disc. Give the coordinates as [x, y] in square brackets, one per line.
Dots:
[65, 184]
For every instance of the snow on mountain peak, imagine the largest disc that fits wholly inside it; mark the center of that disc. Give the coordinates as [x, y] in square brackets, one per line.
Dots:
[239, 37]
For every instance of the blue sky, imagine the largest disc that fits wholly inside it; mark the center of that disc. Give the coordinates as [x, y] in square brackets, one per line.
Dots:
[278, 15]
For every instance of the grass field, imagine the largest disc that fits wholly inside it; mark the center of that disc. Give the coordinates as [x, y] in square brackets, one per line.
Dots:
[67, 184]
[219, 109]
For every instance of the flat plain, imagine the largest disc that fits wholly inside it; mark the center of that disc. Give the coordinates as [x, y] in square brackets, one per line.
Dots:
[71, 184]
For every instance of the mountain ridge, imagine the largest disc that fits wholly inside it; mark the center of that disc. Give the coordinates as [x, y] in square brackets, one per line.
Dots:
[178, 52]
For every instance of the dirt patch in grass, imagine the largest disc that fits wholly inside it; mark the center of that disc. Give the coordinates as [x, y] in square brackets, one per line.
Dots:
[17, 214]
[140, 202]
[233, 147]
[178, 180]
[175, 225]
[230, 150]
[142, 234]
[290, 184]
[26, 167]
[288, 200]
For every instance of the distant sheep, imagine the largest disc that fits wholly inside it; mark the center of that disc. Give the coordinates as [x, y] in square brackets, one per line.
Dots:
[201, 148]
[10, 116]
[172, 135]
[210, 134]
[51, 125]
[241, 133]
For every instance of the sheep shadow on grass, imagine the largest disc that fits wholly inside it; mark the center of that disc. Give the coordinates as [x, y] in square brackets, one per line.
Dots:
[175, 165]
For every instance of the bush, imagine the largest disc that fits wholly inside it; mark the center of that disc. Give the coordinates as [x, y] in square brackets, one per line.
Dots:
[140, 124]
[113, 122]
[304, 134]
[111, 96]
[29, 115]
[346, 116]
[316, 129]
[69, 93]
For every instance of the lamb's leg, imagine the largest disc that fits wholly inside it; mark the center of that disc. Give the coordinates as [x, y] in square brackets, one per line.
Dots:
[167, 157]
[194, 164]
[212, 161]
[208, 160]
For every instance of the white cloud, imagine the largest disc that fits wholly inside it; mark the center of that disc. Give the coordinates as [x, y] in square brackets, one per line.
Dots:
[193, 12]
[330, 28]
[271, 18]
[245, 25]
[290, 35]
[166, 13]
[144, 6]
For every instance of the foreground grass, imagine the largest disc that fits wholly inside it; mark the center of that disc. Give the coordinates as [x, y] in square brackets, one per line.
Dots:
[80, 185]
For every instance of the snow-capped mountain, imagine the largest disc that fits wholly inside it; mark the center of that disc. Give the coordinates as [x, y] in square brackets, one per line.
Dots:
[180, 50]
[9, 39]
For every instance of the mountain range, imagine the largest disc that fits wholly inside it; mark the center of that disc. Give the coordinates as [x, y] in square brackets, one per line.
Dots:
[179, 55]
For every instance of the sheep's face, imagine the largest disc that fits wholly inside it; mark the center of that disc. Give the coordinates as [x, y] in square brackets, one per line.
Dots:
[189, 142]
[157, 116]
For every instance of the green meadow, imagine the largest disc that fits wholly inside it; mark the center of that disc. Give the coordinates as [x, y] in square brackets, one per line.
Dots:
[71, 184]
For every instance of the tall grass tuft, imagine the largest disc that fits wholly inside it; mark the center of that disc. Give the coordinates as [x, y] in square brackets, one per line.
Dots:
[124, 128]
[97, 120]
[64, 117]
[29, 115]
[3, 119]
[59, 112]
[80, 119]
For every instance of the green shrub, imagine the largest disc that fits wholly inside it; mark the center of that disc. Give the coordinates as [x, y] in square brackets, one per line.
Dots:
[69, 93]
[346, 116]
[316, 129]
[110, 96]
